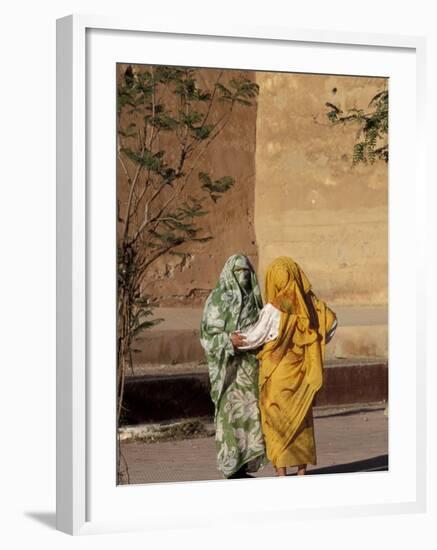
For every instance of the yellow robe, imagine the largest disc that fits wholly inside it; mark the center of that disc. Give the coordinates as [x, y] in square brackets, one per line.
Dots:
[291, 366]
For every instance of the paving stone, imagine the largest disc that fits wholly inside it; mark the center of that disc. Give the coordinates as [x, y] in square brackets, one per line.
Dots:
[352, 442]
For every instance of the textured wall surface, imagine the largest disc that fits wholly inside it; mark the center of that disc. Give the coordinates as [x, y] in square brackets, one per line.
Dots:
[310, 202]
[296, 193]
[230, 221]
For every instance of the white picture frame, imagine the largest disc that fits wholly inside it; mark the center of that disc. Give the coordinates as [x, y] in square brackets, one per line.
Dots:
[86, 502]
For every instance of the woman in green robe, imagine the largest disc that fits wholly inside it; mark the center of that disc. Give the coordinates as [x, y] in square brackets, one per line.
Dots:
[233, 305]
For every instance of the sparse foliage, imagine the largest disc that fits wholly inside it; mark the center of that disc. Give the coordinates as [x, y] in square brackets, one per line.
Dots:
[165, 124]
[372, 135]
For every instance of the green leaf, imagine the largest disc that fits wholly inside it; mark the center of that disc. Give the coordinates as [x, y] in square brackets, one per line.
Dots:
[164, 121]
[168, 238]
[202, 132]
[217, 187]
[145, 325]
[190, 119]
[152, 161]
[372, 128]
[239, 90]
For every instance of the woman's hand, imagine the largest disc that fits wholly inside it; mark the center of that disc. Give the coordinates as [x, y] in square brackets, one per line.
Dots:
[237, 339]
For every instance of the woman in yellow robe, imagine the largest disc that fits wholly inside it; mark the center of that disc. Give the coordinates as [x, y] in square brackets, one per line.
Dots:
[291, 366]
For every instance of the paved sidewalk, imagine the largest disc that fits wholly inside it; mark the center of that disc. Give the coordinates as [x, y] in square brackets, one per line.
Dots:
[362, 331]
[189, 318]
[348, 442]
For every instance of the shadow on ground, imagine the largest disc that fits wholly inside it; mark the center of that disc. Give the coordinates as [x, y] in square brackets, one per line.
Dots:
[353, 411]
[374, 464]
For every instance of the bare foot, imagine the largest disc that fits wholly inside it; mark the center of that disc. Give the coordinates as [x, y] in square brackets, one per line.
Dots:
[280, 472]
[301, 470]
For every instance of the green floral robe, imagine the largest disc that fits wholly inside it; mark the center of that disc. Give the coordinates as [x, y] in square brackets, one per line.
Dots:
[233, 374]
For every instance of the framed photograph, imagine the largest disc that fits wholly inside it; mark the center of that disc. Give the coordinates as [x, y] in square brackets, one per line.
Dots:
[240, 315]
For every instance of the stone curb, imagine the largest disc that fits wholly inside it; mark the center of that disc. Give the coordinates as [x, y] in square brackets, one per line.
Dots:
[152, 398]
[204, 427]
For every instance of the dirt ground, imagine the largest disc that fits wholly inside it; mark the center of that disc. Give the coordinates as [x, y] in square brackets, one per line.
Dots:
[352, 441]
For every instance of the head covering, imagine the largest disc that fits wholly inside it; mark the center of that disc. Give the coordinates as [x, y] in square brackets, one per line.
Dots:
[233, 374]
[304, 317]
[291, 367]
[226, 310]
[284, 276]
[236, 309]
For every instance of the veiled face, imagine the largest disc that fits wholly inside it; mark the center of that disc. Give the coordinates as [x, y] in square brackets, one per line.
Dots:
[282, 278]
[243, 277]
[243, 274]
